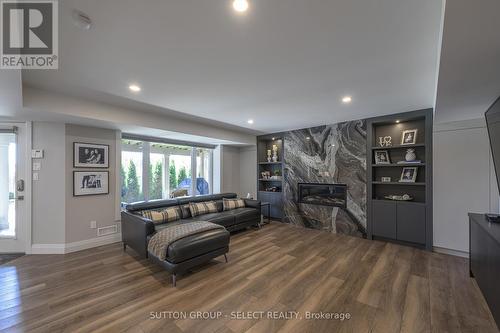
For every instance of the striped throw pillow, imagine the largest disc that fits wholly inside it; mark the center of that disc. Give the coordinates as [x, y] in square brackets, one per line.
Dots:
[160, 216]
[200, 208]
[230, 204]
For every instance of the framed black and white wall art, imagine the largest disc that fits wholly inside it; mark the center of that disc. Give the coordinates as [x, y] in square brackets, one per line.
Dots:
[90, 183]
[409, 175]
[89, 155]
[409, 137]
[382, 157]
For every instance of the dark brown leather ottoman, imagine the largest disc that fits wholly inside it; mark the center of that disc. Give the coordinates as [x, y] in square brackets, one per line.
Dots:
[192, 250]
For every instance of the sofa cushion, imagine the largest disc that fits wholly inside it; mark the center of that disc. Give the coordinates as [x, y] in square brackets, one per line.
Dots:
[159, 216]
[185, 211]
[245, 214]
[201, 208]
[223, 218]
[230, 204]
[209, 197]
[196, 245]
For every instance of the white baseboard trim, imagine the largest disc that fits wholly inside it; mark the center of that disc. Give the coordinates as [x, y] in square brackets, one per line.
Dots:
[93, 242]
[47, 248]
[75, 246]
[451, 252]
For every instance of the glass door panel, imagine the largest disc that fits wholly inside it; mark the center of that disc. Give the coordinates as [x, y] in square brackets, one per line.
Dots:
[203, 171]
[7, 185]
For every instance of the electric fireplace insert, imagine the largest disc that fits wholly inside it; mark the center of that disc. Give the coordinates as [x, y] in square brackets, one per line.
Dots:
[323, 194]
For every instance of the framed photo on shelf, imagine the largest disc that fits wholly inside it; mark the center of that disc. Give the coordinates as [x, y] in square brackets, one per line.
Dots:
[409, 137]
[382, 157]
[90, 183]
[89, 155]
[408, 175]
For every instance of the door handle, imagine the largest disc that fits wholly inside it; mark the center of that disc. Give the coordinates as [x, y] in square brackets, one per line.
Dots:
[20, 185]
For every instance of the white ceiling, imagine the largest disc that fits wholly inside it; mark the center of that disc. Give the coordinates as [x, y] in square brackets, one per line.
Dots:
[469, 71]
[286, 63]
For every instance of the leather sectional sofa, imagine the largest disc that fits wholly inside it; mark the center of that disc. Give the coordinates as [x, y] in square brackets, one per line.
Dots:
[191, 250]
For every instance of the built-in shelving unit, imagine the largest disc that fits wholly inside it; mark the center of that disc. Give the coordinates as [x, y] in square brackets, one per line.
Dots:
[271, 189]
[403, 221]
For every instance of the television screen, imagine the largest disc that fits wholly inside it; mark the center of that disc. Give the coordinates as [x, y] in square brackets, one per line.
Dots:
[493, 123]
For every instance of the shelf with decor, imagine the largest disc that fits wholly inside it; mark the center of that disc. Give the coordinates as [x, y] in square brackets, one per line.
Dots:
[270, 163]
[416, 145]
[399, 178]
[398, 165]
[398, 183]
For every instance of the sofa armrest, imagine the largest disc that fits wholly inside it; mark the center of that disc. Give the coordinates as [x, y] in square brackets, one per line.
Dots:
[135, 230]
[250, 203]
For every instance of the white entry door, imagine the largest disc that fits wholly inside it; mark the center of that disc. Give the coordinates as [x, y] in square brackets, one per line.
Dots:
[13, 226]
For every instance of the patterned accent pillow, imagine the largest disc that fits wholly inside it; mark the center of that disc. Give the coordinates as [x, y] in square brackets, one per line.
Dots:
[200, 208]
[230, 204]
[160, 216]
[185, 211]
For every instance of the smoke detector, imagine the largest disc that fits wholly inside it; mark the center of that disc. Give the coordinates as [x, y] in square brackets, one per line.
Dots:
[81, 20]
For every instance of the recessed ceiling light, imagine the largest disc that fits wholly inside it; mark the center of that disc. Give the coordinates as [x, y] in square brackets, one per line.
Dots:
[346, 99]
[134, 88]
[240, 6]
[250, 121]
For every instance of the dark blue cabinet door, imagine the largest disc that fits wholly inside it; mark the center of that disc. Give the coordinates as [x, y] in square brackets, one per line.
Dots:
[411, 222]
[384, 219]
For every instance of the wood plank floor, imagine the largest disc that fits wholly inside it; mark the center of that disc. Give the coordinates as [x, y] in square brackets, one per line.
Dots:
[277, 269]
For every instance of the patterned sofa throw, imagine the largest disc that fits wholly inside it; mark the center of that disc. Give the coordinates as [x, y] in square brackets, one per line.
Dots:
[200, 208]
[230, 204]
[159, 243]
[160, 216]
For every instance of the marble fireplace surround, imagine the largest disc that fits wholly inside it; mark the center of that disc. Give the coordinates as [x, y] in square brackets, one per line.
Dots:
[327, 154]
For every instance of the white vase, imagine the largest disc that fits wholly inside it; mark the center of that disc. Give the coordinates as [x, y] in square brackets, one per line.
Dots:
[410, 155]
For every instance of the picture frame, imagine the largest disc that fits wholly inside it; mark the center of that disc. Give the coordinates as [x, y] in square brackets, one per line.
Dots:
[90, 183]
[409, 137]
[408, 175]
[382, 157]
[90, 155]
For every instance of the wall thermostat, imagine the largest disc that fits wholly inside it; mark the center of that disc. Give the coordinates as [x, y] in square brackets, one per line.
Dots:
[37, 153]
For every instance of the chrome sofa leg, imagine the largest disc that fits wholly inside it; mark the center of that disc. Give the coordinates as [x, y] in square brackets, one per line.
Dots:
[174, 280]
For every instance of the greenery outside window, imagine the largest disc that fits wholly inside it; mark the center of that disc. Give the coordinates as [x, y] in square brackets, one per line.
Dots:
[152, 170]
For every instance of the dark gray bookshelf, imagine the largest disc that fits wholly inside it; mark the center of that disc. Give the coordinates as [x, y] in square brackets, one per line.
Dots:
[275, 198]
[406, 222]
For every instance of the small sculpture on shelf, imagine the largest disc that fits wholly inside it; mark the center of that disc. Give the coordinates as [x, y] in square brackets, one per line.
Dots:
[385, 141]
[410, 155]
[269, 155]
[404, 197]
[277, 175]
[275, 153]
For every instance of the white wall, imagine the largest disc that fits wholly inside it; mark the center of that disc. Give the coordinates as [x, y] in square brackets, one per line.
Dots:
[61, 222]
[230, 169]
[100, 208]
[48, 192]
[248, 171]
[463, 181]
